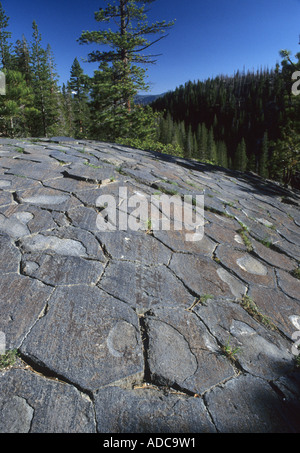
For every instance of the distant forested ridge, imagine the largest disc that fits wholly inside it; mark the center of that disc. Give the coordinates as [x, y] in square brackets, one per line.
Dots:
[233, 121]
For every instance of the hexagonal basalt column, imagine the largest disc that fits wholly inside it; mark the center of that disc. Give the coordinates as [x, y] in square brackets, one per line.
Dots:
[88, 338]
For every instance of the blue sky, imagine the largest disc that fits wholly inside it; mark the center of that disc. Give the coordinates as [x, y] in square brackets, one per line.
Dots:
[210, 37]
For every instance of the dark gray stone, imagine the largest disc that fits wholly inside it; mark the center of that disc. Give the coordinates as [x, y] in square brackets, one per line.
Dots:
[260, 351]
[144, 331]
[281, 310]
[248, 404]
[85, 218]
[134, 246]
[48, 198]
[177, 241]
[89, 173]
[30, 403]
[182, 352]
[272, 257]
[245, 266]
[225, 235]
[54, 269]
[205, 277]
[11, 253]
[22, 220]
[290, 285]
[22, 301]
[70, 185]
[150, 411]
[144, 287]
[67, 241]
[5, 198]
[38, 171]
[92, 339]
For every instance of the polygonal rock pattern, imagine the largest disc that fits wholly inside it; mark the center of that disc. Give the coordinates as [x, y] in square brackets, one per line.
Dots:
[148, 410]
[145, 287]
[92, 339]
[22, 301]
[264, 411]
[33, 403]
[144, 328]
[182, 352]
[260, 351]
[205, 277]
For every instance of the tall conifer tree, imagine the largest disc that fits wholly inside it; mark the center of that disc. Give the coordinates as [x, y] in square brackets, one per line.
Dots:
[5, 45]
[120, 75]
[79, 87]
[45, 87]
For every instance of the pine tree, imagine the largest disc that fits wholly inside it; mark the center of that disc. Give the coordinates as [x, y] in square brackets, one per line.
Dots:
[16, 107]
[68, 114]
[45, 88]
[286, 150]
[202, 141]
[222, 158]
[120, 76]
[188, 149]
[166, 129]
[263, 160]
[240, 158]
[22, 59]
[182, 134]
[79, 87]
[211, 153]
[5, 45]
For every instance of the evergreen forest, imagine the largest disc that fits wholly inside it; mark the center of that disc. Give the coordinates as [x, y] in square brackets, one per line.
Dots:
[249, 121]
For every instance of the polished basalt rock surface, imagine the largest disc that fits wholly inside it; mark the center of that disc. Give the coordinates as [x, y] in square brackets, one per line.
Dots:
[131, 330]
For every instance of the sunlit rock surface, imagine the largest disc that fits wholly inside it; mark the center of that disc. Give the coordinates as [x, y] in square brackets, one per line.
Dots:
[122, 323]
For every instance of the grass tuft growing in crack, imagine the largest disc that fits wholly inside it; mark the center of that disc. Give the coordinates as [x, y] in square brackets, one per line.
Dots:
[200, 301]
[8, 359]
[230, 351]
[250, 306]
[246, 239]
[296, 273]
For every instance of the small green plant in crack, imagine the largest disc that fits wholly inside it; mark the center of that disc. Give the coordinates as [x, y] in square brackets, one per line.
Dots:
[230, 204]
[62, 163]
[296, 273]
[200, 301]
[149, 227]
[121, 171]
[252, 309]
[168, 191]
[246, 239]
[297, 361]
[230, 351]
[8, 359]
[92, 165]
[20, 150]
[168, 181]
[243, 226]
[204, 298]
[266, 242]
[193, 184]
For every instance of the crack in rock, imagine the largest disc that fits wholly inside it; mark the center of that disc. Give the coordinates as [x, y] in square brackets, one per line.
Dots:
[126, 331]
